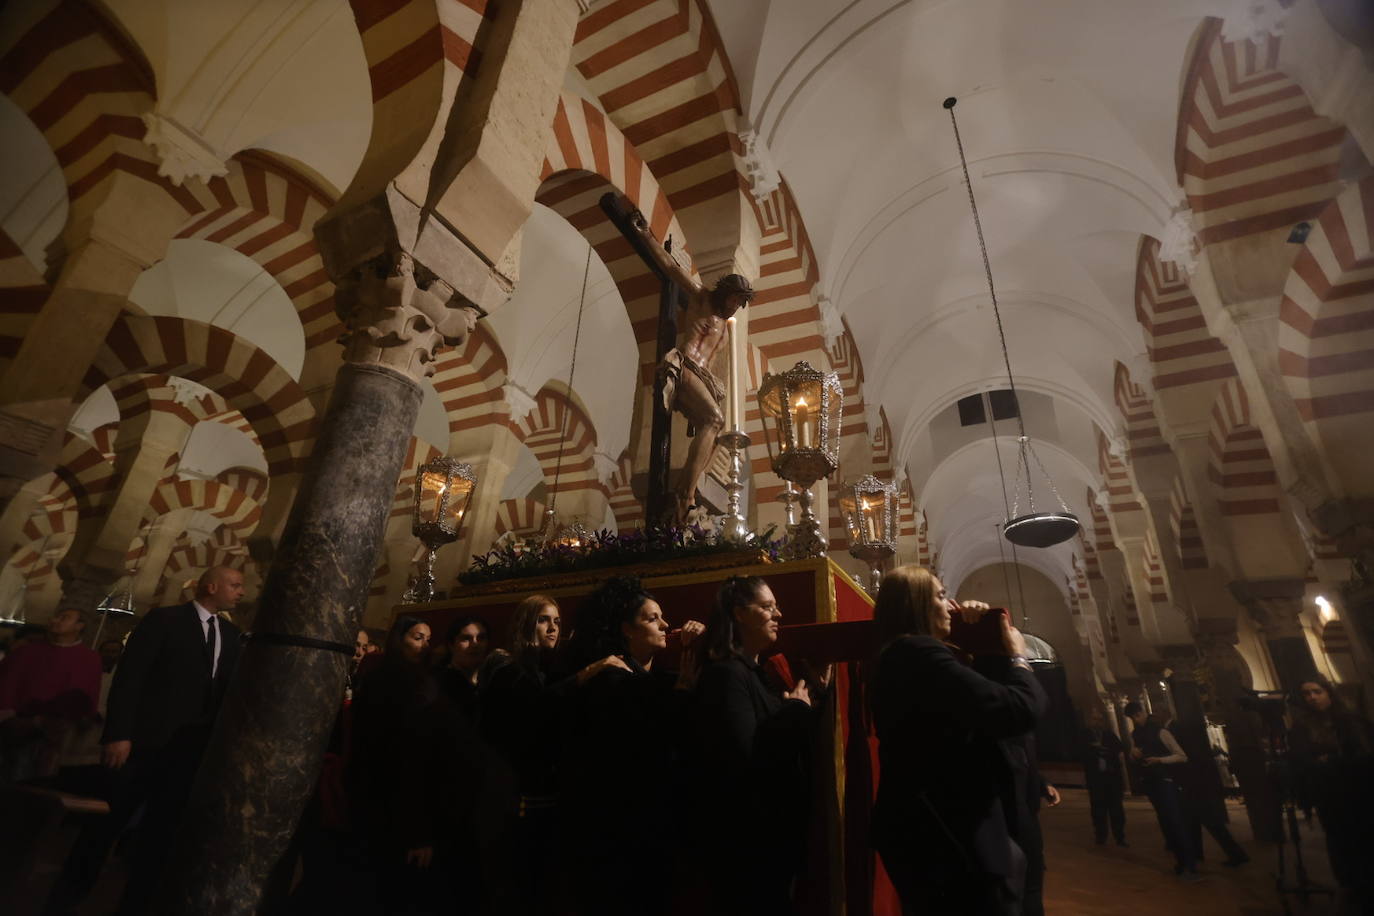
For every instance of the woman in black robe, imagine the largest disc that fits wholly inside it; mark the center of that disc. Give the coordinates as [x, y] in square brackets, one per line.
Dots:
[939, 821]
[753, 739]
[622, 752]
[1332, 750]
[410, 777]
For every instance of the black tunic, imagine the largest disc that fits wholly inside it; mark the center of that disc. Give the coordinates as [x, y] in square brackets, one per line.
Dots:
[753, 774]
[939, 811]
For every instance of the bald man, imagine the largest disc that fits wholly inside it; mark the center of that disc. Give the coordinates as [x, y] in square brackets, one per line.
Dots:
[162, 704]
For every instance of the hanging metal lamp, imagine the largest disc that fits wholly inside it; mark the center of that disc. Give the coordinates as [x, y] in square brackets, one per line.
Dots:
[1034, 528]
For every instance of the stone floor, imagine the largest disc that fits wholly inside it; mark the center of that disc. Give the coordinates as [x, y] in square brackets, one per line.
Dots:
[1085, 878]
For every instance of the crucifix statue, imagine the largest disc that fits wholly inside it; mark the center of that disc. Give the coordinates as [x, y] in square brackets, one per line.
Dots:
[684, 382]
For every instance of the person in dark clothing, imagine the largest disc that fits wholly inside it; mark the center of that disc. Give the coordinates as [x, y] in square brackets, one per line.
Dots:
[1031, 790]
[1103, 776]
[939, 821]
[621, 752]
[753, 740]
[1204, 796]
[469, 645]
[1159, 756]
[410, 777]
[520, 722]
[162, 704]
[1332, 749]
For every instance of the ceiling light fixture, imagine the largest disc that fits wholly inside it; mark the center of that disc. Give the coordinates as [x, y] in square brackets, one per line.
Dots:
[1033, 528]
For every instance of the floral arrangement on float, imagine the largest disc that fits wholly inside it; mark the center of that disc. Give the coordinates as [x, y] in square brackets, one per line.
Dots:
[575, 549]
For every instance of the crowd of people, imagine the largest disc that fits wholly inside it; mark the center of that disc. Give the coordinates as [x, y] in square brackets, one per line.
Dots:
[594, 771]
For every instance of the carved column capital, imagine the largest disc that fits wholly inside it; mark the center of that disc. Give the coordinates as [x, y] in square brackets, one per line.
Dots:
[181, 153]
[399, 314]
[1276, 604]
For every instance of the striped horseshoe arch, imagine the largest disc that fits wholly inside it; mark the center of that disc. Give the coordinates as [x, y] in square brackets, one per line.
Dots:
[1326, 332]
[660, 73]
[85, 87]
[248, 379]
[266, 211]
[1143, 437]
[1251, 154]
[417, 52]
[558, 419]
[588, 156]
[1182, 351]
[469, 382]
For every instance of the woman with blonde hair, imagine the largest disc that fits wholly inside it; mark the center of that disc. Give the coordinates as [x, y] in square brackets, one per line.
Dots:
[938, 821]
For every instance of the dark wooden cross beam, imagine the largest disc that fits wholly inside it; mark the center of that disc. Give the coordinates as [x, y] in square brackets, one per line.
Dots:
[656, 503]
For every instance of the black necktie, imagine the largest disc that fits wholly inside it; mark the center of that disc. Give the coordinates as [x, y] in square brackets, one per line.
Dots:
[210, 629]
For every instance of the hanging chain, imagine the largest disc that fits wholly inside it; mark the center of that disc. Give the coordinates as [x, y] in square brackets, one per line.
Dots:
[572, 370]
[987, 268]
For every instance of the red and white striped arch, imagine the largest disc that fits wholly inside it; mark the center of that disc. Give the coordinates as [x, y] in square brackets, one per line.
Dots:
[266, 211]
[247, 378]
[1182, 350]
[660, 72]
[85, 87]
[1192, 553]
[22, 294]
[238, 511]
[1116, 476]
[1250, 152]
[588, 156]
[1143, 436]
[1240, 465]
[1326, 331]
[625, 506]
[87, 473]
[784, 321]
[187, 561]
[469, 382]
[417, 52]
[1102, 537]
[524, 517]
[1155, 583]
[563, 440]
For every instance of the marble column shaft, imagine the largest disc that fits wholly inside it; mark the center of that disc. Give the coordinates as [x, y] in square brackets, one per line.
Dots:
[264, 757]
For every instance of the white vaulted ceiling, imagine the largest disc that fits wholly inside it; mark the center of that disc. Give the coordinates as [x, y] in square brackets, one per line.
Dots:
[1067, 110]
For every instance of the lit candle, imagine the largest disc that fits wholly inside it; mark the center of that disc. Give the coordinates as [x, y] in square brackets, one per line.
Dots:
[870, 522]
[734, 418]
[801, 417]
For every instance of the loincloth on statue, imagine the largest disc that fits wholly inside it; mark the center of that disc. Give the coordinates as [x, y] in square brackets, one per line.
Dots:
[674, 361]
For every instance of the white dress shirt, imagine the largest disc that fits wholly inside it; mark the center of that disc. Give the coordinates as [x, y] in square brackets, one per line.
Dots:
[208, 620]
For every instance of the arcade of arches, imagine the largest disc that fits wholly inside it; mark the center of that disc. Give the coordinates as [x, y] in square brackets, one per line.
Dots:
[258, 266]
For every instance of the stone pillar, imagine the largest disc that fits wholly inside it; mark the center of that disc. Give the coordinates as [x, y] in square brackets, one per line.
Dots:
[264, 756]
[1276, 604]
[1186, 693]
[1224, 679]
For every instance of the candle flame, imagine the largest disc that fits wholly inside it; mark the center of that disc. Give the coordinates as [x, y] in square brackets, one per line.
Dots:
[865, 502]
[801, 402]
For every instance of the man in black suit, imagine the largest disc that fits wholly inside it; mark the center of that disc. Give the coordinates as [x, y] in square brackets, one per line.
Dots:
[162, 704]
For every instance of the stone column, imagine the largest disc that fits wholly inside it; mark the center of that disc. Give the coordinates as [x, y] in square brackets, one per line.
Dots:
[264, 756]
[1182, 662]
[1225, 678]
[1276, 605]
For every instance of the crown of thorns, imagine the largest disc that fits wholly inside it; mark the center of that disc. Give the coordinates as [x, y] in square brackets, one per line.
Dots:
[734, 284]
